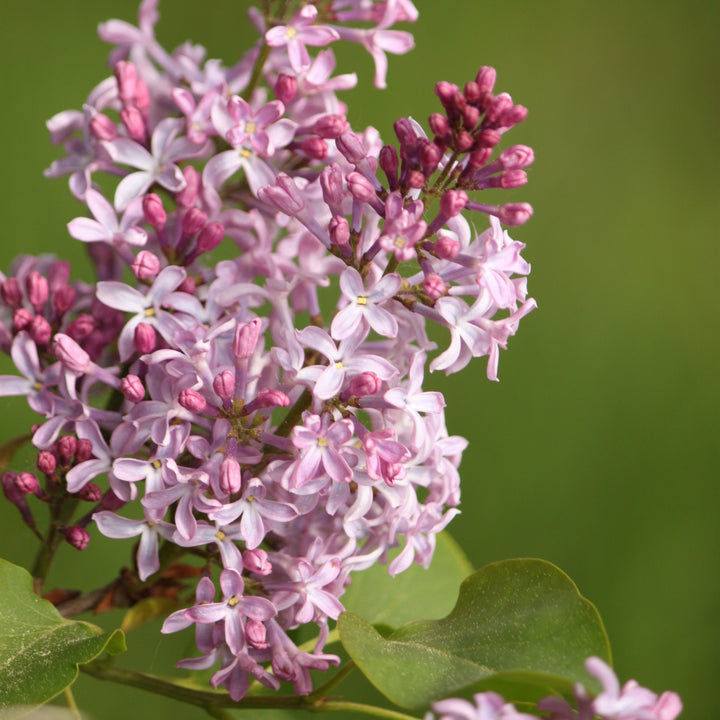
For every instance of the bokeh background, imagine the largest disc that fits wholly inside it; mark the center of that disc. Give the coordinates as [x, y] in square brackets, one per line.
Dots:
[598, 449]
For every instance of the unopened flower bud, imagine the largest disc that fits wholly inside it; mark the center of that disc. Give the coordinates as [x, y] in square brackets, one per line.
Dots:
[439, 125]
[270, 397]
[153, 210]
[283, 195]
[230, 476]
[360, 187]
[513, 179]
[452, 202]
[224, 384]
[485, 79]
[192, 400]
[246, 338]
[193, 221]
[134, 124]
[339, 231]
[488, 138]
[11, 292]
[472, 92]
[187, 285]
[89, 492]
[331, 182]
[142, 96]
[464, 141]
[415, 179]
[256, 634]
[512, 116]
[126, 76]
[40, 330]
[66, 447]
[514, 214]
[405, 133]
[78, 537]
[516, 157]
[210, 236]
[388, 160]
[27, 483]
[46, 462]
[132, 388]
[84, 450]
[499, 105]
[22, 319]
[330, 126]
[367, 383]
[446, 92]
[446, 247]
[314, 147]
[81, 327]
[351, 147]
[146, 265]
[64, 298]
[145, 338]
[433, 286]
[256, 561]
[69, 353]
[478, 158]
[188, 195]
[470, 116]
[430, 156]
[285, 88]
[37, 290]
[103, 128]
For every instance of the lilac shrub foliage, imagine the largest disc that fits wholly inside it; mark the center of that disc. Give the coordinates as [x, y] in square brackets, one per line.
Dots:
[267, 411]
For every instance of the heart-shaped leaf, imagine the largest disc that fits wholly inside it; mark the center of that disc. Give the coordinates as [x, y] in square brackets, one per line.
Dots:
[519, 626]
[381, 599]
[39, 649]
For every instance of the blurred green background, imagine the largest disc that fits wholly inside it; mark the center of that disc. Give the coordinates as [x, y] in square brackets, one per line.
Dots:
[598, 450]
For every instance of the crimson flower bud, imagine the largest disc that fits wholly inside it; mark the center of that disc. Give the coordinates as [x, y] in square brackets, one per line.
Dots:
[224, 384]
[446, 247]
[134, 124]
[285, 88]
[211, 236]
[331, 182]
[515, 157]
[81, 327]
[22, 319]
[70, 354]
[78, 537]
[154, 211]
[37, 289]
[445, 91]
[132, 388]
[256, 561]
[246, 338]
[40, 330]
[488, 138]
[452, 202]
[89, 492]
[103, 128]
[84, 450]
[63, 298]
[351, 147]
[193, 221]
[27, 483]
[46, 462]
[464, 141]
[11, 293]
[146, 265]
[433, 286]
[472, 92]
[230, 476]
[192, 400]
[367, 383]
[330, 126]
[514, 214]
[67, 447]
[145, 338]
[360, 187]
[256, 634]
[187, 285]
[485, 79]
[415, 179]
[188, 195]
[314, 147]
[339, 231]
[126, 76]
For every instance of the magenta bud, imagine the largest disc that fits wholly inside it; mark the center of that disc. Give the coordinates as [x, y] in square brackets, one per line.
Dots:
[224, 384]
[84, 450]
[66, 447]
[446, 247]
[246, 338]
[142, 96]
[11, 292]
[70, 354]
[134, 124]
[513, 179]
[283, 195]
[12, 493]
[285, 88]
[154, 212]
[22, 319]
[89, 492]
[46, 462]
[192, 400]
[516, 157]
[351, 147]
[459, 101]
[256, 634]
[189, 194]
[514, 214]
[339, 231]
[103, 128]
[27, 483]
[145, 265]
[81, 327]
[488, 138]
[433, 286]
[430, 156]
[439, 124]
[470, 115]
[472, 92]
[502, 103]
[256, 561]
[360, 187]
[331, 182]
[145, 338]
[230, 476]
[63, 298]
[367, 383]
[40, 330]
[187, 285]
[464, 141]
[132, 388]
[415, 179]
[78, 537]
[485, 79]
[193, 221]
[314, 147]
[388, 160]
[514, 115]
[330, 126]
[110, 501]
[446, 91]
[405, 133]
[452, 202]
[210, 236]
[479, 157]
[126, 76]
[272, 398]
[37, 289]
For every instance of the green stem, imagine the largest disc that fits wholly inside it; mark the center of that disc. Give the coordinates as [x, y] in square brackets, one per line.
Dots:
[333, 682]
[293, 417]
[361, 708]
[61, 510]
[72, 705]
[257, 71]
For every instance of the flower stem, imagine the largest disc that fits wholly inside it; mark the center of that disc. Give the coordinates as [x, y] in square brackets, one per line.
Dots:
[361, 708]
[61, 510]
[334, 681]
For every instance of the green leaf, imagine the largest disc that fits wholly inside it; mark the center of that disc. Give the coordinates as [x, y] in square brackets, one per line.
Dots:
[519, 627]
[39, 649]
[381, 599]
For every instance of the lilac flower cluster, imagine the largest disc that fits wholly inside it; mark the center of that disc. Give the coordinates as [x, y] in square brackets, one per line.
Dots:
[629, 702]
[265, 412]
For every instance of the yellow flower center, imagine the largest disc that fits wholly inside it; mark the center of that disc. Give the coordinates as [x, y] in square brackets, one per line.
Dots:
[362, 300]
[220, 535]
[322, 442]
[250, 128]
[150, 312]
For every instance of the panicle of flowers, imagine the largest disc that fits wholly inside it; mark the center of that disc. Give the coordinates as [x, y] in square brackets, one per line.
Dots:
[261, 415]
[629, 702]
